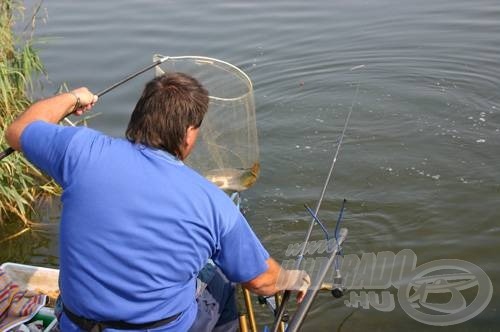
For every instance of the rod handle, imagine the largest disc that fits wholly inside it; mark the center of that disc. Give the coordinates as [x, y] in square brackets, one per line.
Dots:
[6, 152]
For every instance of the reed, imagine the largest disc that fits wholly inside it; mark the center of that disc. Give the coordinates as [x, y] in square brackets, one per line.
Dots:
[21, 184]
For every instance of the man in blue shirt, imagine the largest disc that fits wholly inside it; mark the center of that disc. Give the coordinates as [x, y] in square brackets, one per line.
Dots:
[137, 224]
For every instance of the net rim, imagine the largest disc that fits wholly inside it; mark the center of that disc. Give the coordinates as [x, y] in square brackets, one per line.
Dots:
[209, 60]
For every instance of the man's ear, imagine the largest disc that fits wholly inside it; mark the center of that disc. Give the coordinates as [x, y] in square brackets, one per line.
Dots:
[191, 135]
[189, 141]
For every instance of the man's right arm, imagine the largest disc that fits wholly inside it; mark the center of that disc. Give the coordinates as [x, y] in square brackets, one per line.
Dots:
[276, 279]
[51, 110]
[244, 260]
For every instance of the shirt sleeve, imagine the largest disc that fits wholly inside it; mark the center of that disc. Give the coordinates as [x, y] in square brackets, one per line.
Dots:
[45, 145]
[241, 256]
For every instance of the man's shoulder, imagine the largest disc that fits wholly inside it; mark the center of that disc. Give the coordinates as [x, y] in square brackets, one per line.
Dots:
[93, 138]
[57, 131]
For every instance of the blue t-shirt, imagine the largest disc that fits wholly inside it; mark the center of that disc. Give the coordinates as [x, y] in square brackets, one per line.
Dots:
[137, 226]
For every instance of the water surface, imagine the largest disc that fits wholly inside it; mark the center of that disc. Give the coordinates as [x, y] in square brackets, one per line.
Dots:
[419, 164]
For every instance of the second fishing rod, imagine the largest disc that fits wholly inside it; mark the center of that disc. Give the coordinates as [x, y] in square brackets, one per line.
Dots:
[10, 150]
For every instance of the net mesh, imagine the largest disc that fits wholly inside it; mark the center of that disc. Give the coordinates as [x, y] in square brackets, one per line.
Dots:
[227, 150]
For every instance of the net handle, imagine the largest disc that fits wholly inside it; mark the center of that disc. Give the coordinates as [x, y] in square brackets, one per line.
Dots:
[10, 150]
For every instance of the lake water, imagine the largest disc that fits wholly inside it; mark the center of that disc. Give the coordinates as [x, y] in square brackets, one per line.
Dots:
[419, 165]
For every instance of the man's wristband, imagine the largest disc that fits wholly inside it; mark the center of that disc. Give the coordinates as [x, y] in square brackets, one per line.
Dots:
[77, 104]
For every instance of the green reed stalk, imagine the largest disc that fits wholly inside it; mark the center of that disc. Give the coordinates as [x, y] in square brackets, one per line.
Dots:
[21, 184]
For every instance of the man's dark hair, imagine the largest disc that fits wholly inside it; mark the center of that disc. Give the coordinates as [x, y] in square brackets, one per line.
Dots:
[168, 106]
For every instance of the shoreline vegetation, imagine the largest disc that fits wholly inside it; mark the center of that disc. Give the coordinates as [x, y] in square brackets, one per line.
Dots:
[23, 188]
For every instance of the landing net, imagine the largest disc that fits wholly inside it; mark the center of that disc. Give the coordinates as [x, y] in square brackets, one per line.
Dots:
[227, 151]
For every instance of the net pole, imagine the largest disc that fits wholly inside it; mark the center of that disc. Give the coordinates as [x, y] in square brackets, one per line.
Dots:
[10, 150]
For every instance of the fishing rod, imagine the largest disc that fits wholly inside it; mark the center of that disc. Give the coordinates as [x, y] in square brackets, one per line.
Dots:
[286, 294]
[10, 150]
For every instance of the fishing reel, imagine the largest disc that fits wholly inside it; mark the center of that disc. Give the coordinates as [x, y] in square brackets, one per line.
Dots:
[338, 288]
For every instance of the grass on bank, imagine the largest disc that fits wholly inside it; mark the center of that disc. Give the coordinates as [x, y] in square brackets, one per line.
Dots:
[21, 184]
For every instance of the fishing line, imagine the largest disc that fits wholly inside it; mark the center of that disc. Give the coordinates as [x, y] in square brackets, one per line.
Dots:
[10, 150]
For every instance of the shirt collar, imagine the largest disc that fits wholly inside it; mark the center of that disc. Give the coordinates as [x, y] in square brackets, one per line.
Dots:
[162, 154]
